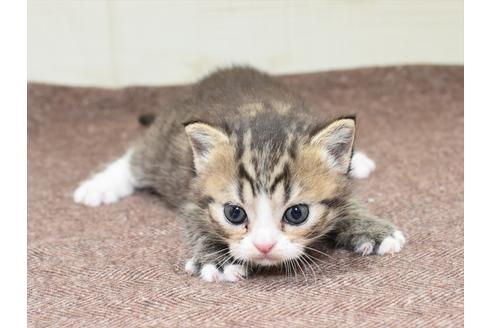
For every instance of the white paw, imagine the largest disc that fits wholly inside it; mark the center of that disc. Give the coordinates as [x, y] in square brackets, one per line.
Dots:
[190, 266]
[210, 273]
[101, 190]
[392, 244]
[361, 165]
[234, 272]
[108, 186]
[365, 248]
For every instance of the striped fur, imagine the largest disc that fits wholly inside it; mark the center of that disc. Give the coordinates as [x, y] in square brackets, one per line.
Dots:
[239, 137]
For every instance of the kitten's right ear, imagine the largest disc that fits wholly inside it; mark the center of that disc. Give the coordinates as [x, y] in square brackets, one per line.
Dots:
[203, 139]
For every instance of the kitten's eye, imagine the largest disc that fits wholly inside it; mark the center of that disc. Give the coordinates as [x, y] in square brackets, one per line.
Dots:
[235, 214]
[296, 214]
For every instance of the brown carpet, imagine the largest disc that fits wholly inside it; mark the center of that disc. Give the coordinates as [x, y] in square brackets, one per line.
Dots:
[121, 265]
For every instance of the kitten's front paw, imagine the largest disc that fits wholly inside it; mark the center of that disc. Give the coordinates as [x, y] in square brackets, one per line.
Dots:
[235, 272]
[390, 244]
[210, 272]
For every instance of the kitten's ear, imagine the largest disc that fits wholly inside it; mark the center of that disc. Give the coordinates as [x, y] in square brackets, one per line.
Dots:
[203, 139]
[336, 141]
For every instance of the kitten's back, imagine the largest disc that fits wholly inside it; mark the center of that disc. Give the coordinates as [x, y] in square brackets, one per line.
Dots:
[238, 85]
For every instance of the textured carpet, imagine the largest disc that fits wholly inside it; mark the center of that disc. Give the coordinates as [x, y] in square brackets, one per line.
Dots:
[122, 265]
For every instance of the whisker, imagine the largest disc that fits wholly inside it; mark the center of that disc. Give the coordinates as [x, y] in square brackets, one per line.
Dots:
[224, 261]
[303, 259]
[314, 260]
[302, 271]
[221, 260]
[219, 251]
[283, 267]
[310, 267]
[287, 269]
[220, 256]
[301, 264]
[317, 259]
[290, 262]
[318, 251]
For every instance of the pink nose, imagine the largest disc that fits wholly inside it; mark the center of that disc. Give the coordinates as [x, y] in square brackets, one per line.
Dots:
[265, 247]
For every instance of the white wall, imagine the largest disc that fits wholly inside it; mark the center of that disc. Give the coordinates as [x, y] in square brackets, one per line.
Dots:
[116, 42]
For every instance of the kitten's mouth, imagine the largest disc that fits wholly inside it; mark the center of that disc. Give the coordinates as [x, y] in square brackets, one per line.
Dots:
[266, 260]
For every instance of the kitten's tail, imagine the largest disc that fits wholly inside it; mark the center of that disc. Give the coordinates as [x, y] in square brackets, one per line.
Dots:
[146, 119]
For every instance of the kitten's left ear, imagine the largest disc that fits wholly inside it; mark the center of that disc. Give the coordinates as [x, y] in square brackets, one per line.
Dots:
[337, 140]
[203, 140]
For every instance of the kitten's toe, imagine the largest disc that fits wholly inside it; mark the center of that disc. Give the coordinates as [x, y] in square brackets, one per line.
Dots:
[365, 248]
[191, 267]
[210, 273]
[109, 197]
[234, 272]
[88, 194]
[392, 244]
[361, 165]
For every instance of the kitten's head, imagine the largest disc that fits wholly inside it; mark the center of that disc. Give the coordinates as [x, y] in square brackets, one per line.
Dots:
[271, 190]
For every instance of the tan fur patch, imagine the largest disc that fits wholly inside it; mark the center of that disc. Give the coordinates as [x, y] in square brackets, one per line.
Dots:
[218, 182]
[281, 107]
[220, 172]
[312, 175]
[252, 109]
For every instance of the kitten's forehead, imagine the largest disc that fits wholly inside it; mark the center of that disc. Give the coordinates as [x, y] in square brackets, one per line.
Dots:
[261, 170]
[265, 150]
[270, 153]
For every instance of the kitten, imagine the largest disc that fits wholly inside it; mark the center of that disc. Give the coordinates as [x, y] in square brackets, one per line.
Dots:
[256, 177]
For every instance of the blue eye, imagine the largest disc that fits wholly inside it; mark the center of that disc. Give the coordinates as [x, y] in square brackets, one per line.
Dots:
[296, 214]
[235, 214]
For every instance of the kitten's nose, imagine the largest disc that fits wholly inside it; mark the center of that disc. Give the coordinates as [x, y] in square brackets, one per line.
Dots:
[264, 247]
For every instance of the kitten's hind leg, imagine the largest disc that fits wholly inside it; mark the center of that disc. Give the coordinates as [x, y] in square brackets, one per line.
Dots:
[108, 186]
[361, 165]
